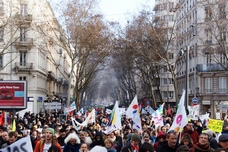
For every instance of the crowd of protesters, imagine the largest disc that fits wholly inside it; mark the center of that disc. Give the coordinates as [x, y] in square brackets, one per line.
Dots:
[50, 134]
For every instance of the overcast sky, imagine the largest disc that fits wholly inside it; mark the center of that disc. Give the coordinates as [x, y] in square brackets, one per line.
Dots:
[122, 10]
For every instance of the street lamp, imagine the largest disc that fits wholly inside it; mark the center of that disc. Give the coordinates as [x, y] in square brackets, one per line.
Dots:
[186, 51]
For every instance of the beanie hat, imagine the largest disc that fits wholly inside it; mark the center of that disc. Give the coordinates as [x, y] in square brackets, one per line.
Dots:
[135, 137]
[51, 130]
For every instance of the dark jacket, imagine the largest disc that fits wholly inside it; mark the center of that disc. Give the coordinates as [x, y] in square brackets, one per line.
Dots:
[163, 147]
[97, 142]
[71, 148]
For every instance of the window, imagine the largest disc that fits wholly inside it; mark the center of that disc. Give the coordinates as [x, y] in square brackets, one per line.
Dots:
[22, 34]
[208, 13]
[23, 59]
[168, 94]
[1, 7]
[208, 58]
[170, 81]
[222, 85]
[222, 12]
[165, 80]
[208, 85]
[208, 36]
[24, 9]
[222, 58]
[1, 33]
[1, 61]
[22, 78]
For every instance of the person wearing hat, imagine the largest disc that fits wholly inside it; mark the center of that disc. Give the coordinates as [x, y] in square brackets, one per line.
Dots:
[134, 144]
[223, 141]
[44, 145]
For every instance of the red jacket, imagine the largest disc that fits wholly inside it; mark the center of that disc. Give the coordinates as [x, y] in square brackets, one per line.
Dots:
[194, 135]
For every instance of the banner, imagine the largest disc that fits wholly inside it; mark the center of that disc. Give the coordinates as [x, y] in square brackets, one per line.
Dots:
[89, 119]
[193, 112]
[215, 125]
[204, 117]
[22, 145]
[149, 110]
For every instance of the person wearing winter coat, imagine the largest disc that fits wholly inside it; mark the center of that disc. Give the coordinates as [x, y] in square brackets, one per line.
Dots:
[109, 145]
[72, 142]
[203, 145]
[98, 140]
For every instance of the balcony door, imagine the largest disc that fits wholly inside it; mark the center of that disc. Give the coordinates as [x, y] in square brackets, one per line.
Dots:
[23, 56]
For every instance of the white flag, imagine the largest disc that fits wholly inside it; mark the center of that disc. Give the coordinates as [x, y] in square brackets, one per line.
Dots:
[133, 112]
[80, 112]
[180, 119]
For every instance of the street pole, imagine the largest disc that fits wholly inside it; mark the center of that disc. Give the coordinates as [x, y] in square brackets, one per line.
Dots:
[194, 35]
[186, 77]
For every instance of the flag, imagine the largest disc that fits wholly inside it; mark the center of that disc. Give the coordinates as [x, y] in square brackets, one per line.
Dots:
[72, 107]
[134, 113]
[180, 119]
[80, 112]
[116, 117]
[160, 109]
[2, 118]
[14, 125]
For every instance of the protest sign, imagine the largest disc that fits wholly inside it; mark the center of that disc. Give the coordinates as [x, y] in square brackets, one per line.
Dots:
[215, 125]
[193, 112]
[22, 145]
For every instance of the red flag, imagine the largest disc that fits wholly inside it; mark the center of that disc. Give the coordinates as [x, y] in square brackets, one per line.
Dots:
[2, 118]
[71, 113]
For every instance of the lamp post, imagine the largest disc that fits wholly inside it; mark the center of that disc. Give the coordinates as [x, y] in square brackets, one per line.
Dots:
[186, 51]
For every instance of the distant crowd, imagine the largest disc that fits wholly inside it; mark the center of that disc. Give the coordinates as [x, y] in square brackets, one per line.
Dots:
[50, 133]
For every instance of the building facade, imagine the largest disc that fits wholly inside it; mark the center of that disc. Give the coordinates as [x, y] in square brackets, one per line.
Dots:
[165, 17]
[201, 28]
[30, 51]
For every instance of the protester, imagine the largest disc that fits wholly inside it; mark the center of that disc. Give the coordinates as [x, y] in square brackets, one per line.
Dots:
[189, 128]
[146, 147]
[109, 145]
[98, 140]
[134, 144]
[12, 138]
[84, 148]
[203, 145]
[72, 142]
[170, 145]
[62, 136]
[5, 138]
[159, 140]
[223, 141]
[186, 140]
[183, 148]
[47, 142]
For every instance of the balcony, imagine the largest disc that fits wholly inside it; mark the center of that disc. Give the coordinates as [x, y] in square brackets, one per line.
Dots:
[211, 67]
[51, 75]
[20, 66]
[26, 43]
[24, 19]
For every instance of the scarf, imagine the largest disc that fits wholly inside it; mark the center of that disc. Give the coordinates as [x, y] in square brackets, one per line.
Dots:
[200, 147]
[135, 148]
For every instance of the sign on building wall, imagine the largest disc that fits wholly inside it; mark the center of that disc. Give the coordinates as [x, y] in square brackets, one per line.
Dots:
[13, 95]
